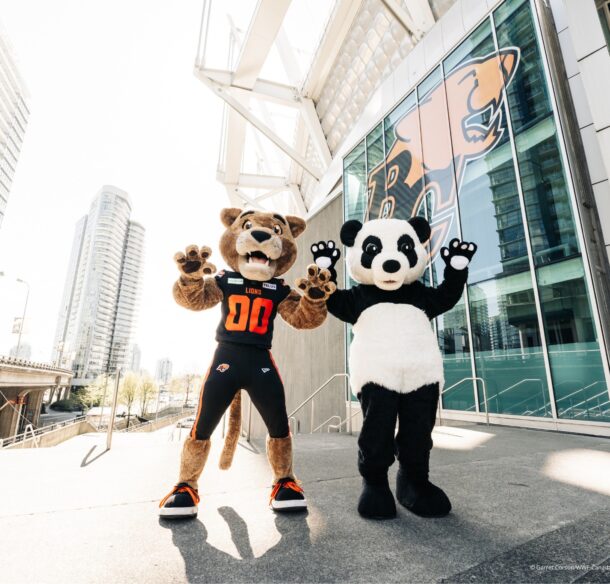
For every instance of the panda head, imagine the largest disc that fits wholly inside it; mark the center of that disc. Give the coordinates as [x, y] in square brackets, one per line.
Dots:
[386, 252]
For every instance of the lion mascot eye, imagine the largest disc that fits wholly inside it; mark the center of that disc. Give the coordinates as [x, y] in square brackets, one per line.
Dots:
[277, 229]
[248, 225]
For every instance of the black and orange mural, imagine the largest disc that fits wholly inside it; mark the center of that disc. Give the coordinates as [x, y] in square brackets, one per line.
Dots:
[460, 119]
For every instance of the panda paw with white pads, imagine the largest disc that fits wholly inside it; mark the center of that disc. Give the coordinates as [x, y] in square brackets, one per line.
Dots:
[458, 254]
[326, 255]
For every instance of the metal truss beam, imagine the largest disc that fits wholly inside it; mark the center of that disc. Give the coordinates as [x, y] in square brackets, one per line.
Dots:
[263, 30]
[314, 128]
[421, 13]
[297, 197]
[237, 192]
[342, 18]
[267, 90]
[255, 181]
[418, 28]
[243, 111]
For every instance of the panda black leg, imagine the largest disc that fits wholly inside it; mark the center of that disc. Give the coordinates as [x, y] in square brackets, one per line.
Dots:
[376, 451]
[417, 414]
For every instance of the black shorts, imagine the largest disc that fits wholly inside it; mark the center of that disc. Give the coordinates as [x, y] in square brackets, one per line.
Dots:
[246, 367]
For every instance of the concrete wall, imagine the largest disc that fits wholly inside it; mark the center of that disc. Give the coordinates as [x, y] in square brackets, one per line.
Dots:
[57, 436]
[155, 425]
[587, 61]
[308, 358]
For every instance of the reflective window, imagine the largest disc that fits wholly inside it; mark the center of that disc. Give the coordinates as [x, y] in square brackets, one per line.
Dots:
[354, 183]
[375, 155]
[475, 149]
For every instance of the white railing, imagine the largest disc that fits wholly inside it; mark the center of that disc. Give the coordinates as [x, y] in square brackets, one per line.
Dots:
[440, 419]
[35, 434]
[292, 419]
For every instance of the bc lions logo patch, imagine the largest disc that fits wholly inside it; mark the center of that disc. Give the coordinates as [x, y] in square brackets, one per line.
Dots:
[222, 367]
[457, 121]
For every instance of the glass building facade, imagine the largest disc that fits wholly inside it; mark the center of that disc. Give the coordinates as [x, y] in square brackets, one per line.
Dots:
[475, 148]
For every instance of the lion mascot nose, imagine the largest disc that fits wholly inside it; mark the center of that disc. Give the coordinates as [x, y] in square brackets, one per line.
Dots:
[261, 236]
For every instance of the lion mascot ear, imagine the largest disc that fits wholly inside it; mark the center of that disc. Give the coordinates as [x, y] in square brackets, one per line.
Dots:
[296, 224]
[228, 215]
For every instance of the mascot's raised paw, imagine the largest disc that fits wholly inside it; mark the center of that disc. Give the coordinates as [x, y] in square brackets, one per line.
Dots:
[326, 255]
[317, 286]
[458, 254]
[193, 263]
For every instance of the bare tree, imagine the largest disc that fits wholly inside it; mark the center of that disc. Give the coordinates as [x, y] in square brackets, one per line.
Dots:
[128, 392]
[189, 378]
[146, 389]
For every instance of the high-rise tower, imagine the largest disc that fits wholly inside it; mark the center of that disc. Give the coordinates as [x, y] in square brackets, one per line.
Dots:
[100, 300]
[14, 115]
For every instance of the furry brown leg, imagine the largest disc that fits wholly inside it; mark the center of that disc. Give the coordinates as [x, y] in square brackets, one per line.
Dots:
[279, 452]
[232, 437]
[194, 456]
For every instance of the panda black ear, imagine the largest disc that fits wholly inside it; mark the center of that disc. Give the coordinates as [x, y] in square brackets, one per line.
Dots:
[349, 231]
[422, 228]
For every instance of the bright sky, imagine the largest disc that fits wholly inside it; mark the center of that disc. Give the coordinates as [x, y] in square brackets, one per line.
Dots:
[113, 101]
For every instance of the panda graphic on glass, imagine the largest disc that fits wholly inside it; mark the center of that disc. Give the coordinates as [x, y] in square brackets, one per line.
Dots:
[395, 365]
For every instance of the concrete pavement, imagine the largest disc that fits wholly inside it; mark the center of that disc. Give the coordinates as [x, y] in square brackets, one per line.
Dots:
[529, 506]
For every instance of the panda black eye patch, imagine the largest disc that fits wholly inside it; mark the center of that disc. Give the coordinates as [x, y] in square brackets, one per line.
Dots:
[371, 246]
[406, 246]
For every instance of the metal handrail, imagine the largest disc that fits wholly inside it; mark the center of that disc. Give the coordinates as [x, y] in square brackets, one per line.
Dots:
[185, 412]
[326, 422]
[291, 415]
[440, 419]
[604, 393]
[351, 417]
[36, 433]
[316, 392]
[579, 390]
[516, 385]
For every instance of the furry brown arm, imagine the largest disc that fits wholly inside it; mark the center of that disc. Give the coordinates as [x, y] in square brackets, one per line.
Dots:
[302, 313]
[308, 311]
[192, 290]
[197, 294]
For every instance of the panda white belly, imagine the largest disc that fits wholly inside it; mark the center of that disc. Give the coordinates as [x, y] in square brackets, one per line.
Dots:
[394, 346]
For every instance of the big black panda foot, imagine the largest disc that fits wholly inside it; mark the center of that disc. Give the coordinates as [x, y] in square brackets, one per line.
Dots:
[376, 500]
[421, 497]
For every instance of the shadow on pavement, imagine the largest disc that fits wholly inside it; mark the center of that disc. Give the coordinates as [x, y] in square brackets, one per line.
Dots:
[206, 563]
[86, 461]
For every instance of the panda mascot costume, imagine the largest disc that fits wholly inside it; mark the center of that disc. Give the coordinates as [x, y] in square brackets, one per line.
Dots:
[396, 368]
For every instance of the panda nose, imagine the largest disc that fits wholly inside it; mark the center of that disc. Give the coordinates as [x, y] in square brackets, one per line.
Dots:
[261, 236]
[391, 266]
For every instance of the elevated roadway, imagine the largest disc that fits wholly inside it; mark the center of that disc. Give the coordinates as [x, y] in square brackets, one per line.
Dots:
[22, 387]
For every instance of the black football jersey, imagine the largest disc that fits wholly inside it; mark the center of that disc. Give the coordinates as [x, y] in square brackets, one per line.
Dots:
[248, 308]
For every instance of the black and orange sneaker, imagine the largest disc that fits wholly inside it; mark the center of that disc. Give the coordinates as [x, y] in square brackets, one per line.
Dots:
[287, 495]
[180, 503]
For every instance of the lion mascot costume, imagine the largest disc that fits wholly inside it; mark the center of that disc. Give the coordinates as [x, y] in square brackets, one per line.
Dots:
[257, 247]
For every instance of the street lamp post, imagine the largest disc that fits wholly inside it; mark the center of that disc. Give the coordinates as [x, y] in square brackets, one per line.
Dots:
[25, 307]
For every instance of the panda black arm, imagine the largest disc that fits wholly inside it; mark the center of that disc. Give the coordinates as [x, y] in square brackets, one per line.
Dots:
[343, 304]
[443, 298]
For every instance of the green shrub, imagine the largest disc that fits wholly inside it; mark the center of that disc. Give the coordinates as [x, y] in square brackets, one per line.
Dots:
[66, 405]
